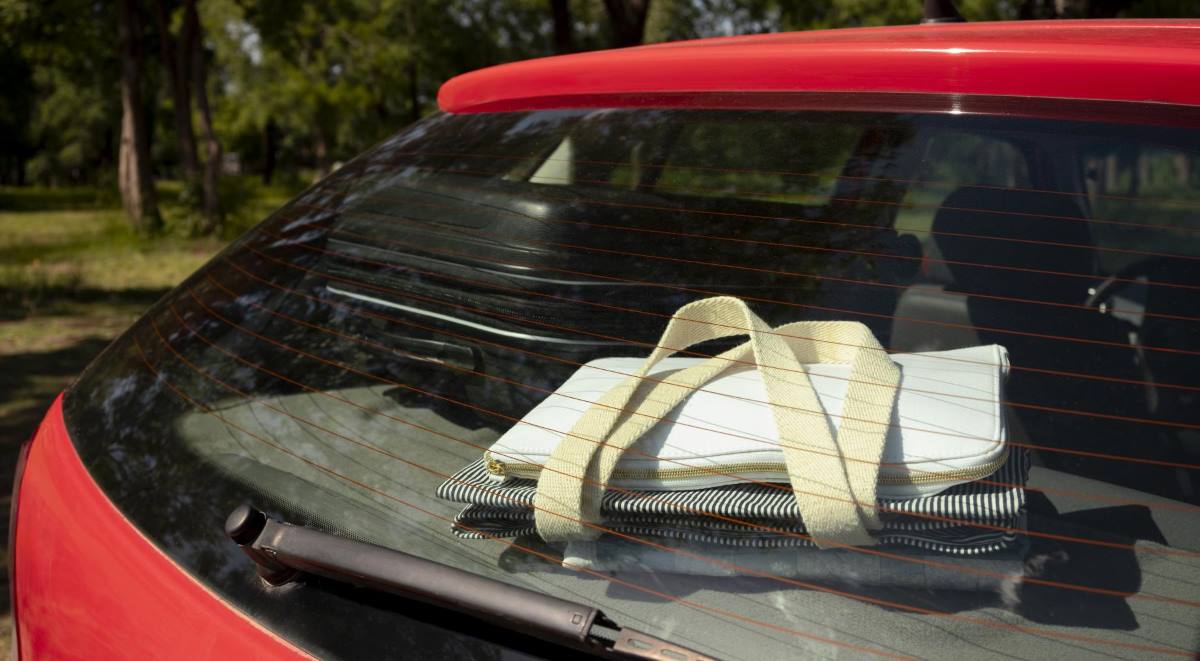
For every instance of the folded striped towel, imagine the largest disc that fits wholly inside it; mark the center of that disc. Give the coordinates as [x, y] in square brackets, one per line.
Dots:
[966, 519]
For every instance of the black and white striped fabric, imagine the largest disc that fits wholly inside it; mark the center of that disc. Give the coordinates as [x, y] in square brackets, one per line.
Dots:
[996, 499]
[967, 519]
[480, 522]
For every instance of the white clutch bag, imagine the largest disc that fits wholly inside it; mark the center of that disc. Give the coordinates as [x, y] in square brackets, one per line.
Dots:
[817, 407]
[947, 427]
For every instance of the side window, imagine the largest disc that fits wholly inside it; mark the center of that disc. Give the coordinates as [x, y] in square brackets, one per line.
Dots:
[1146, 197]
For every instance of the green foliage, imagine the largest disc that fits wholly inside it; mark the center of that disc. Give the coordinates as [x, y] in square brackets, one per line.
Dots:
[15, 112]
[336, 77]
[1164, 9]
[72, 107]
[671, 20]
[249, 201]
[324, 79]
[72, 127]
[40, 198]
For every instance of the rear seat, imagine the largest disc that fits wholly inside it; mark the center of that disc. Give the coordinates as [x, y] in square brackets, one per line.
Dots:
[984, 305]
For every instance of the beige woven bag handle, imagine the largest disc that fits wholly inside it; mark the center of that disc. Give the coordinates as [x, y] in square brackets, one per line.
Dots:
[834, 480]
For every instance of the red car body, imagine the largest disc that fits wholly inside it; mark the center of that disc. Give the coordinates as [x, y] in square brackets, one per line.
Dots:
[87, 583]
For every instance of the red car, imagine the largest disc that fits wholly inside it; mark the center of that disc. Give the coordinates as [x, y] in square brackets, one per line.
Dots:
[313, 390]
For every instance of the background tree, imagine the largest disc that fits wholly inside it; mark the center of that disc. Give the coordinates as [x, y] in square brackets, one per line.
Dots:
[176, 61]
[292, 88]
[134, 179]
[564, 29]
[212, 146]
[60, 82]
[628, 19]
[16, 109]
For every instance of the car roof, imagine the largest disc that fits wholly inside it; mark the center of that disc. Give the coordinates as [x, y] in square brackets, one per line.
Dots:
[1114, 60]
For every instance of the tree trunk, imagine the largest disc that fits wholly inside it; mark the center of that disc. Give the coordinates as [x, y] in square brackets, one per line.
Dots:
[320, 152]
[133, 161]
[564, 29]
[414, 90]
[269, 147]
[175, 61]
[212, 147]
[628, 20]
[1105, 8]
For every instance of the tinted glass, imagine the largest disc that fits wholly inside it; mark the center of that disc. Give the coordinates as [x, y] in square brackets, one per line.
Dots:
[376, 335]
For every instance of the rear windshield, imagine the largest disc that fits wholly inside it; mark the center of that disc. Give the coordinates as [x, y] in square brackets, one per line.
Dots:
[348, 363]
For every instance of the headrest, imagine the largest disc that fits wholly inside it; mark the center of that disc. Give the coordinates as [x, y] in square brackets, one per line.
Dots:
[975, 227]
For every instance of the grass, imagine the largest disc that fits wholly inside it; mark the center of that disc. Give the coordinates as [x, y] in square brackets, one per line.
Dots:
[52, 258]
[72, 271]
[73, 275]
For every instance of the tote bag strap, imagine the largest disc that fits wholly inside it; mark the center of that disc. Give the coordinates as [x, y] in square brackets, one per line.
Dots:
[833, 476]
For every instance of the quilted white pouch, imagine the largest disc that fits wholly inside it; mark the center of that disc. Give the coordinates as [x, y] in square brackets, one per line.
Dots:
[919, 423]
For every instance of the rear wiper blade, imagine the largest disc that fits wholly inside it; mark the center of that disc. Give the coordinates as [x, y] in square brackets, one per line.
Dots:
[283, 552]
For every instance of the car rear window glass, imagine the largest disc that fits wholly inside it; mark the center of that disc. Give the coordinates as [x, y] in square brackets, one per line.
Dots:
[380, 332]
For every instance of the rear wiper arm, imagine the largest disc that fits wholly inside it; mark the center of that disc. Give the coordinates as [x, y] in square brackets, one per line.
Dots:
[283, 552]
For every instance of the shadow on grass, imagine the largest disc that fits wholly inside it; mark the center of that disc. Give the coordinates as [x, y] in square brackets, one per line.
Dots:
[61, 296]
[24, 254]
[37, 198]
